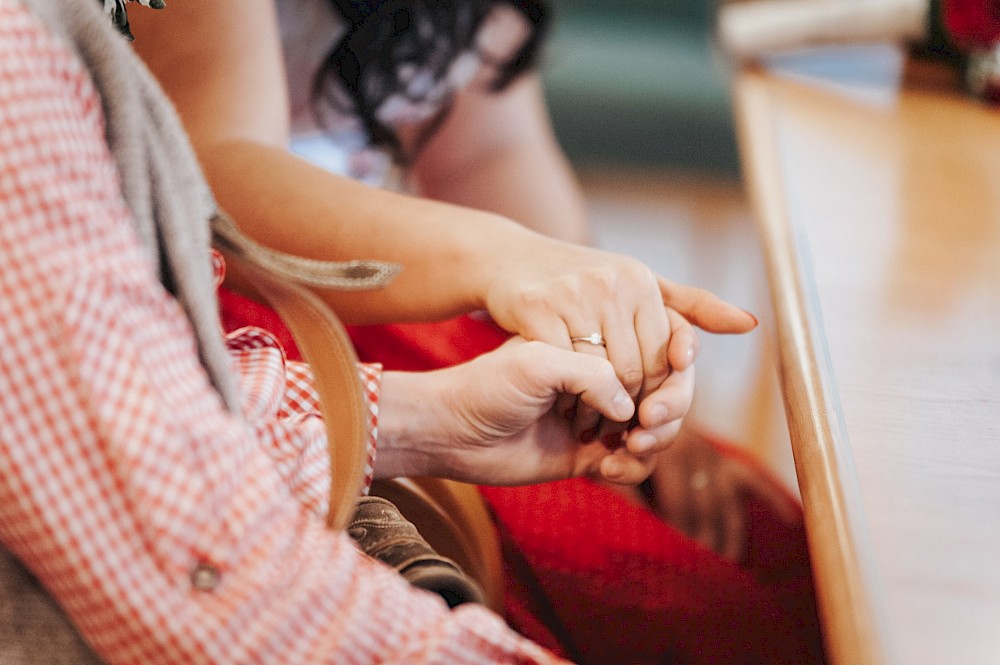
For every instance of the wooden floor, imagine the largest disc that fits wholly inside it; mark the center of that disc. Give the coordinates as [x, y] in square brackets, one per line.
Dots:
[699, 230]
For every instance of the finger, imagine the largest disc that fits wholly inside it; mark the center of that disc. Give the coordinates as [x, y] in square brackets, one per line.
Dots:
[645, 442]
[664, 408]
[623, 349]
[684, 343]
[705, 309]
[622, 468]
[654, 335]
[552, 330]
[592, 379]
[586, 421]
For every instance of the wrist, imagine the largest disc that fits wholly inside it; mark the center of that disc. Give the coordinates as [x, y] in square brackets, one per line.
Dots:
[413, 433]
[490, 254]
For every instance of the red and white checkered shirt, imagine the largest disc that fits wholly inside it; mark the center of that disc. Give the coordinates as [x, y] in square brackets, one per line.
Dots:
[169, 530]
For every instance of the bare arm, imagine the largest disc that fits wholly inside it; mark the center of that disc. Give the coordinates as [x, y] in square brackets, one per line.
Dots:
[221, 64]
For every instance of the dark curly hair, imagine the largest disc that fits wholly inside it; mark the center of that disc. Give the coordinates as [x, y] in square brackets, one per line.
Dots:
[385, 38]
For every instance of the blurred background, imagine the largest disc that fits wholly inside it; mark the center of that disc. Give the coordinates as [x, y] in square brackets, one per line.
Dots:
[640, 102]
[636, 82]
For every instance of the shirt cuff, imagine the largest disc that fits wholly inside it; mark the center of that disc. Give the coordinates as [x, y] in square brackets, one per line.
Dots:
[371, 386]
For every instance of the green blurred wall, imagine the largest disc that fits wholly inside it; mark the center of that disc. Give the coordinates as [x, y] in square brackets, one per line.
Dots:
[635, 82]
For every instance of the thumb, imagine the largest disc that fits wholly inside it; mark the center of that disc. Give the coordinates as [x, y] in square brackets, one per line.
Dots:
[556, 371]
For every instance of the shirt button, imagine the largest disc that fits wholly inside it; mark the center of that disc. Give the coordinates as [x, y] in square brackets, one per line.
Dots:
[205, 577]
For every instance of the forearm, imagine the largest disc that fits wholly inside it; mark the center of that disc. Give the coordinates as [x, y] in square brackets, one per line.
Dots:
[450, 255]
[237, 115]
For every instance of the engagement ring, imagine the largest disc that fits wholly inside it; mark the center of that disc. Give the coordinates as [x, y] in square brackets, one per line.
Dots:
[597, 339]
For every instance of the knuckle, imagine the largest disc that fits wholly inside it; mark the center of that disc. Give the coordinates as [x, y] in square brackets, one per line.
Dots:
[532, 300]
[600, 279]
[639, 273]
[570, 285]
[530, 360]
[659, 364]
[631, 377]
[606, 281]
[602, 371]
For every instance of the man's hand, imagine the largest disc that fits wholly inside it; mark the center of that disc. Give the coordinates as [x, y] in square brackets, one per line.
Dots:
[491, 421]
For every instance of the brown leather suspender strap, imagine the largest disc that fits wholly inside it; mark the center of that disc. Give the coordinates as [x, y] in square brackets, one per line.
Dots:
[326, 347]
[453, 516]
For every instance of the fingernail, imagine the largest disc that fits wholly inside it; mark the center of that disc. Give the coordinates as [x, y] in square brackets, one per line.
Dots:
[623, 404]
[755, 321]
[658, 415]
[612, 468]
[689, 354]
[644, 442]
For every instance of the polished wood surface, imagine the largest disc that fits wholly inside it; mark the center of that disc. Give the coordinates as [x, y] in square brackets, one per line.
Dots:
[880, 218]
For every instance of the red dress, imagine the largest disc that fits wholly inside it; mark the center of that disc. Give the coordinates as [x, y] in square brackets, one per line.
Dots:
[607, 581]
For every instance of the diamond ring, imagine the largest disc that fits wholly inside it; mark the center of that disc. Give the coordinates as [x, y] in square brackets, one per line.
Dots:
[597, 339]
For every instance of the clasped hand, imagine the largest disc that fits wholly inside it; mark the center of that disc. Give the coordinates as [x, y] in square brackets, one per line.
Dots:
[564, 294]
[492, 421]
[539, 407]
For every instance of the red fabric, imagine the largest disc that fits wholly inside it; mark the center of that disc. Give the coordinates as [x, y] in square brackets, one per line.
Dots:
[972, 23]
[626, 586]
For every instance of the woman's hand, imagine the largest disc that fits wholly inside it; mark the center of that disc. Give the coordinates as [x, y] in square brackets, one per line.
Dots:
[491, 421]
[703, 493]
[555, 292]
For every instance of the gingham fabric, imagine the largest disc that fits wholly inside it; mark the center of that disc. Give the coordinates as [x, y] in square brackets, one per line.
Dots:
[169, 530]
[275, 387]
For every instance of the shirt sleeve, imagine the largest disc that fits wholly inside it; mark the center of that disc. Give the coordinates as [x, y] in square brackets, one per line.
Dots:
[161, 524]
[280, 399]
[281, 403]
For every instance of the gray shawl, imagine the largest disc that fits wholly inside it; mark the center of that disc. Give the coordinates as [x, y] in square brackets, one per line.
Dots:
[172, 206]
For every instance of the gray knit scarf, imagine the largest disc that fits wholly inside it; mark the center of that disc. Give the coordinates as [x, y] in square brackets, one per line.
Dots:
[172, 207]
